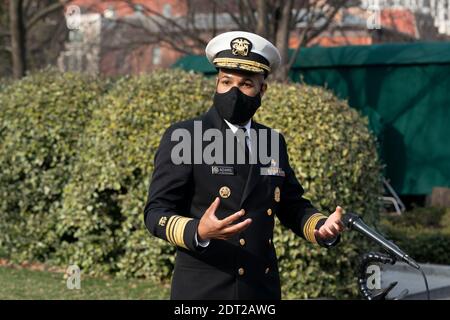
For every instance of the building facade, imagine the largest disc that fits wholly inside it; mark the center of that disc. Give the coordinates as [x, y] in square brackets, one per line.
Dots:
[124, 37]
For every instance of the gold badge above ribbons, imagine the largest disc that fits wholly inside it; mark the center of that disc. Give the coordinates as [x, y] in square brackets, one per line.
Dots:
[225, 192]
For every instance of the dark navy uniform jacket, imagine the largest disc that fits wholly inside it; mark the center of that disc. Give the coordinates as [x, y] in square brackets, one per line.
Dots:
[245, 266]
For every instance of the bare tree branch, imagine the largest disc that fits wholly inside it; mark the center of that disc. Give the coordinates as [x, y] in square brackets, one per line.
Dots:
[177, 41]
[169, 27]
[276, 20]
[332, 11]
[45, 12]
[261, 26]
[18, 36]
[225, 6]
[249, 13]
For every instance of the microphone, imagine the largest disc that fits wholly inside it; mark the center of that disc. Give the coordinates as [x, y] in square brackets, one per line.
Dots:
[354, 222]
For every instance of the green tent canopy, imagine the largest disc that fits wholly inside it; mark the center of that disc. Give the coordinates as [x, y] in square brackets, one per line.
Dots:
[195, 63]
[404, 89]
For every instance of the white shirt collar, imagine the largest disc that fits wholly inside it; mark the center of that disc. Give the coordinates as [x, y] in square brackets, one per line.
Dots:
[234, 127]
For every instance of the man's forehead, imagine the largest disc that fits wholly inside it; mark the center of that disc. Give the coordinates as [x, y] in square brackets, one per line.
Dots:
[238, 74]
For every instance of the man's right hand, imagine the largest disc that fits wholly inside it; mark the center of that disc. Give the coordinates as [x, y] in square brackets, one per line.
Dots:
[212, 228]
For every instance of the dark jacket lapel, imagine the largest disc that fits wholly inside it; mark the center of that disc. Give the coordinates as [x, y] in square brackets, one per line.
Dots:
[254, 174]
[212, 119]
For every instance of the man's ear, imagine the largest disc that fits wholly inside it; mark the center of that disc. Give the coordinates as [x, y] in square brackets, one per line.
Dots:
[263, 89]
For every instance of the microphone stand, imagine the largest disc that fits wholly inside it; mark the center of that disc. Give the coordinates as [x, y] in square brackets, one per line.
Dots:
[380, 294]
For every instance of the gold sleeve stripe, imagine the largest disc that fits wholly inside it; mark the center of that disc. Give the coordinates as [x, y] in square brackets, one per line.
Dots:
[308, 229]
[172, 229]
[310, 226]
[168, 224]
[179, 232]
[172, 232]
[169, 228]
[175, 230]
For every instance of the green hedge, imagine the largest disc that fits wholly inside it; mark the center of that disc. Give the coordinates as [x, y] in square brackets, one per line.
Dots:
[4, 82]
[424, 233]
[334, 156]
[90, 209]
[41, 118]
[104, 201]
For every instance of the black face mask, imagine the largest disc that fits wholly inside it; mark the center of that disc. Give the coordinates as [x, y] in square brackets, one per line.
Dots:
[235, 106]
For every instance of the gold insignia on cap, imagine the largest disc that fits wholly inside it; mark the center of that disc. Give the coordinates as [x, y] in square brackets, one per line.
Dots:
[225, 192]
[162, 221]
[241, 47]
[277, 194]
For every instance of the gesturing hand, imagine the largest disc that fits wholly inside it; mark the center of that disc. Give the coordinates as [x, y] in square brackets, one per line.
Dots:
[332, 226]
[210, 227]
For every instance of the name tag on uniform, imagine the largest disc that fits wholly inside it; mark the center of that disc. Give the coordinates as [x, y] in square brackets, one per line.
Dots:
[272, 171]
[223, 170]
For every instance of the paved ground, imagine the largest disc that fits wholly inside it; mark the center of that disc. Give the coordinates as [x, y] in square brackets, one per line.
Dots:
[408, 278]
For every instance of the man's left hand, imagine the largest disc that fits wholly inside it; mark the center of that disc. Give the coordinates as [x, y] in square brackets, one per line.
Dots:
[332, 226]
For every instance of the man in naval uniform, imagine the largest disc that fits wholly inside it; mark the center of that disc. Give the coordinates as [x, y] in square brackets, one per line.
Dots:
[220, 214]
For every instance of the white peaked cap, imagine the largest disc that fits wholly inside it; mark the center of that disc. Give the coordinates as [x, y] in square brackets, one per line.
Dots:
[244, 51]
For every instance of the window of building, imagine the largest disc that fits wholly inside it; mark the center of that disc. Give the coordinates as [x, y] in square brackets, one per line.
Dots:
[167, 10]
[156, 55]
[75, 35]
